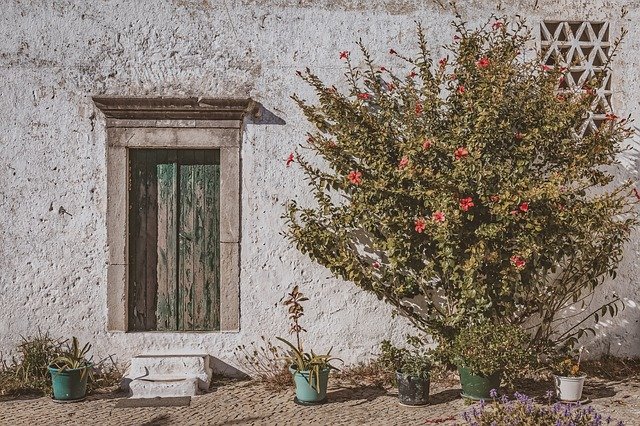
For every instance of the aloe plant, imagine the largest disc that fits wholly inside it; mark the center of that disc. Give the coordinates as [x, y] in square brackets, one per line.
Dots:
[74, 357]
[304, 361]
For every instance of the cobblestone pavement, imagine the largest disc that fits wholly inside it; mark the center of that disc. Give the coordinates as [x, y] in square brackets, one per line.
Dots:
[247, 403]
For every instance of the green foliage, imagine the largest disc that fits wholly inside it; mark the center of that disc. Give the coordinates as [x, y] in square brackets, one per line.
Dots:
[489, 348]
[415, 362]
[467, 184]
[296, 357]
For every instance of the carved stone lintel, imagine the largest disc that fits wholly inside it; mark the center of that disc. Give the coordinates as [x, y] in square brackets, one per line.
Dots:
[122, 108]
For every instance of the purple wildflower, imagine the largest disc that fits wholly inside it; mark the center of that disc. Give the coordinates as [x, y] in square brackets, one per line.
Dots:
[493, 393]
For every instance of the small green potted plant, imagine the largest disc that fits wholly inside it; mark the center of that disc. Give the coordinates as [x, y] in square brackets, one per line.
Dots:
[567, 377]
[485, 354]
[70, 371]
[310, 371]
[412, 369]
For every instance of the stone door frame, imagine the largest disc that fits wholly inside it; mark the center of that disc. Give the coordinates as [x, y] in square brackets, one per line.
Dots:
[161, 123]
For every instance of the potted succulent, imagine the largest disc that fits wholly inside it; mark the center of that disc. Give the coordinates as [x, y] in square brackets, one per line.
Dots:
[568, 378]
[412, 368]
[70, 371]
[485, 354]
[310, 371]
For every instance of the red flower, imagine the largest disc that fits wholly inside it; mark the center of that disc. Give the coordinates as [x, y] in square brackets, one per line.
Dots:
[419, 109]
[404, 162]
[420, 225]
[364, 96]
[497, 24]
[392, 52]
[461, 89]
[466, 203]
[483, 62]
[290, 159]
[518, 136]
[438, 216]
[344, 54]
[412, 74]
[456, 37]
[494, 198]
[517, 261]
[442, 62]
[610, 117]
[460, 153]
[426, 144]
[355, 177]
[375, 265]
[514, 212]
[391, 87]
[524, 207]
[590, 91]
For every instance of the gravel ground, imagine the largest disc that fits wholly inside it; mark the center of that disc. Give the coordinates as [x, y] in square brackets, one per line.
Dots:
[250, 403]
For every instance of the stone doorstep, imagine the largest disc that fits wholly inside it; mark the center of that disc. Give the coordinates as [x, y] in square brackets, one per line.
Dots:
[170, 367]
[162, 385]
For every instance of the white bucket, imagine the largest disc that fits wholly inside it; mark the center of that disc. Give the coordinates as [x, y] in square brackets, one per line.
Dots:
[569, 388]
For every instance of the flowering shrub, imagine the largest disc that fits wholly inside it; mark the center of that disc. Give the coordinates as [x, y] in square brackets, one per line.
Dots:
[523, 411]
[464, 183]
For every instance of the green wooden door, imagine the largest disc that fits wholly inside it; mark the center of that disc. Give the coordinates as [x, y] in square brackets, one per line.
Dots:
[174, 240]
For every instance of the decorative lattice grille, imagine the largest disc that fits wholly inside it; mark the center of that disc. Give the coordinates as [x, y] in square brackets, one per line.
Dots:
[581, 47]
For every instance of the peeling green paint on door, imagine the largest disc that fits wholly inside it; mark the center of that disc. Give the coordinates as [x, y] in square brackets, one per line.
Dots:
[176, 195]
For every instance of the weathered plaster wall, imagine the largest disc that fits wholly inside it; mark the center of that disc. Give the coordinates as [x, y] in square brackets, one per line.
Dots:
[55, 55]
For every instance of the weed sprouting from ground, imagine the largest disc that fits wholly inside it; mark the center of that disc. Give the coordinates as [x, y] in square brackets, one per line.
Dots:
[265, 363]
[27, 374]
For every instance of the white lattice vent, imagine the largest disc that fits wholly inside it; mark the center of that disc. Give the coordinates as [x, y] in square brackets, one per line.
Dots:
[582, 47]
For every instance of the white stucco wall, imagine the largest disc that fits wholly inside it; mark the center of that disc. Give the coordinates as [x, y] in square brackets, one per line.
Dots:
[55, 55]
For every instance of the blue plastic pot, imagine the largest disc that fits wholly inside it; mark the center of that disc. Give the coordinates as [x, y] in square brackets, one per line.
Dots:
[69, 384]
[304, 392]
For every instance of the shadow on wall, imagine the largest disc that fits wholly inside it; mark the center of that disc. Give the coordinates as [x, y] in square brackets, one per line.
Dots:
[265, 117]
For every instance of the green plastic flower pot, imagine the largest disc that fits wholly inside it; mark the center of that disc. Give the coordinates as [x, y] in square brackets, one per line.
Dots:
[304, 392]
[69, 385]
[477, 387]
